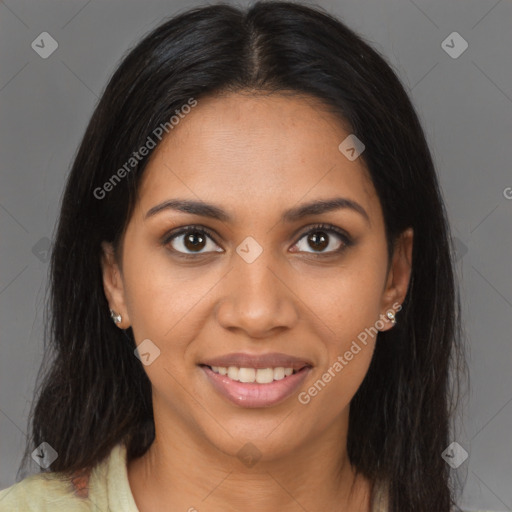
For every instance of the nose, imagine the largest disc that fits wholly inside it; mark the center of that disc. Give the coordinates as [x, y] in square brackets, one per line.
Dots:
[258, 298]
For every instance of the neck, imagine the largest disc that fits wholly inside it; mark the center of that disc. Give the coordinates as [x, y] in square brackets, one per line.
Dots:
[186, 472]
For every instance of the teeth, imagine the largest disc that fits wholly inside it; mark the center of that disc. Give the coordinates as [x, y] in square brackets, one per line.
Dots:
[233, 372]
[247, 375]
[264, 375]
[259, 375]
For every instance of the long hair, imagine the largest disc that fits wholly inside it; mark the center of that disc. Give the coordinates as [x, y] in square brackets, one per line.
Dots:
[94, 393]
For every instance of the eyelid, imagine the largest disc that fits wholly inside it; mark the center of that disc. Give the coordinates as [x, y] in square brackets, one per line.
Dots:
[347, 239]
[169, 236]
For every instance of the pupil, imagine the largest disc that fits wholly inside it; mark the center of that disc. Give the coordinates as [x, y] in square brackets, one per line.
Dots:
[320, 241]
[189, 239]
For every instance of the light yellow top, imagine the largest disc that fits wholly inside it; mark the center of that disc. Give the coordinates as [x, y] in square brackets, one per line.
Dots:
[107, 490]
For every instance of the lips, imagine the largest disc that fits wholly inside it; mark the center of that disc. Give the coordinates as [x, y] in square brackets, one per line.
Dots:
[270, 360]
[247, 393]
[253, 395]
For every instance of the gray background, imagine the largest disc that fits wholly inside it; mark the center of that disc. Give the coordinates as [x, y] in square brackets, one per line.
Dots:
[465, 104]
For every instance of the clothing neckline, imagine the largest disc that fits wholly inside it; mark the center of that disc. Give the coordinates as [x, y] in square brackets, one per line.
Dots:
[120, 496]
[118, 491]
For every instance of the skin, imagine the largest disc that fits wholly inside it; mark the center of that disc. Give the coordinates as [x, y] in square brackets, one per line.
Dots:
[254, 156]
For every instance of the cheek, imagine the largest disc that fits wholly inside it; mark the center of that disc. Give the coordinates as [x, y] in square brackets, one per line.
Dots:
[348, 299]
[348, 306]
[348, 343]
[160, 295]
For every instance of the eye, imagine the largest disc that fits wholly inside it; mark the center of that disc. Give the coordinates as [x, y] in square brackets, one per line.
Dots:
[191, 240]
[319, 238]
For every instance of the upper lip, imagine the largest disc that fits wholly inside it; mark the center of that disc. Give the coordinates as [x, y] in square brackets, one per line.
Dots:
[270, 360]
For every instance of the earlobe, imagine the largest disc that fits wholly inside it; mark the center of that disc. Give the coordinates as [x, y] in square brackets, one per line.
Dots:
[113, 286]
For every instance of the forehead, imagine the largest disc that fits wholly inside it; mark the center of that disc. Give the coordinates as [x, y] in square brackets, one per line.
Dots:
[257, 153]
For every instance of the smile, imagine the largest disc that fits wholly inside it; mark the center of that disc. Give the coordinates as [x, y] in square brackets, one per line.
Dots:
[259, 375]
[255, 387]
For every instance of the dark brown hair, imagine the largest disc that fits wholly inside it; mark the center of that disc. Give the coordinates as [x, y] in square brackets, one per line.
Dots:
[95, 393]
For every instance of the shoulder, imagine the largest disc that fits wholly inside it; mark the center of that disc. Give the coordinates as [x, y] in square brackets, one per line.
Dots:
[105, 487]
[43, 492]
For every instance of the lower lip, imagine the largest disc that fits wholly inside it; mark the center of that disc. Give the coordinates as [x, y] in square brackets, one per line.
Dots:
[253, 394]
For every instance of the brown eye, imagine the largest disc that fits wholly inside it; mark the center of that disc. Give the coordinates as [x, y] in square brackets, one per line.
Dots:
[194, 241]
[321, 237]
[318, 240]
[191, 240]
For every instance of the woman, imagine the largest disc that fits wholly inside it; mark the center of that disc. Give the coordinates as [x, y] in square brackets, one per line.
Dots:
[253, 303]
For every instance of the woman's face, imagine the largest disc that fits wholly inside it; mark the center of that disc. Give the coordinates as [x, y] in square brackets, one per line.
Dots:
[256, 283]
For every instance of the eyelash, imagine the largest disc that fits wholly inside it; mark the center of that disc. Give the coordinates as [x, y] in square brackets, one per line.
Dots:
[328, 228]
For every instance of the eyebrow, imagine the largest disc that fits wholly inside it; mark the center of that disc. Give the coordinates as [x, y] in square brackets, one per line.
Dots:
[294, 214]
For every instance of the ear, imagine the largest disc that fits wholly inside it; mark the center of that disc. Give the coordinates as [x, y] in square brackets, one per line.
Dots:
[113, 284]
[398, 276]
